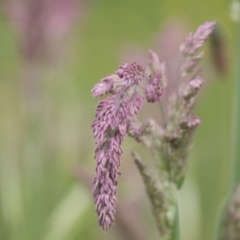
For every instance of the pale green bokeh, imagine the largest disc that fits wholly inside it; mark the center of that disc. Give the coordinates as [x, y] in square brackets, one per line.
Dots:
[40, 196]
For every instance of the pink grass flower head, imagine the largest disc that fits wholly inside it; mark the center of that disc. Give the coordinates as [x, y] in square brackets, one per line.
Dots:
[179, 118]
[113, 114]
[154, 90]
[116, 115]
[109, 129]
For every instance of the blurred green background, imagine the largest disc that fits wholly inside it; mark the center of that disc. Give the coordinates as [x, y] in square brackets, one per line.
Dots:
[51, 54]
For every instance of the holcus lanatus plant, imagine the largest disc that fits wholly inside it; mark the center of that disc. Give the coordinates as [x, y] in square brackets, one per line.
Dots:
[124, 93]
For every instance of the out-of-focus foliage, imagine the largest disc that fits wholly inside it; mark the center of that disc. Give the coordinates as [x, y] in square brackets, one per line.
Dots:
[46, 109]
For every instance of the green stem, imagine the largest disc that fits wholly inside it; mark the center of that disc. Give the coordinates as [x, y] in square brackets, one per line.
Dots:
[176, 226]
[163, 113]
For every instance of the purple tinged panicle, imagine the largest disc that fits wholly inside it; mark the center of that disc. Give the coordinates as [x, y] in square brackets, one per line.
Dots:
[103, 87]
[109, 84]
[156, 79]
[195, 41]
[109, 129]
[154, 89]
[135, 104]
[190, 124]
[190, 49]
[202, 34]
[230, 228]
[131, 73]
[153, 61]
[155, 65]
[192, 88]
[196, 83]
[137, 130]
[171, 141]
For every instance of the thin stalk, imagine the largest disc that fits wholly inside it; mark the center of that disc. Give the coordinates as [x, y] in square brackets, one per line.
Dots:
[163, 113]
[176, 226]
